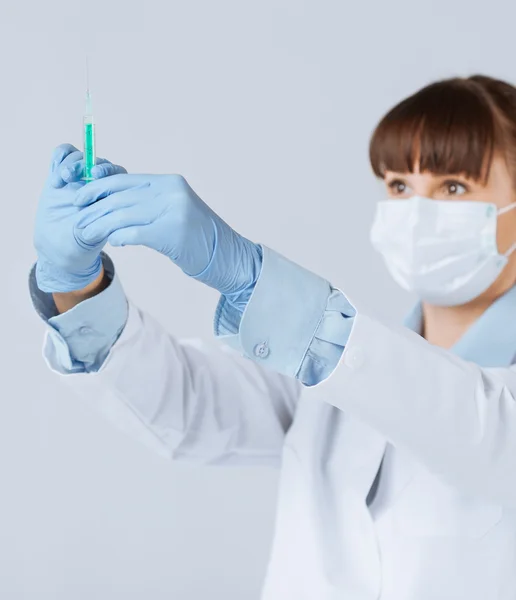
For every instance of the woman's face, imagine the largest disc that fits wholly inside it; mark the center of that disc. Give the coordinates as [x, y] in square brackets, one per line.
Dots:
[499, 190]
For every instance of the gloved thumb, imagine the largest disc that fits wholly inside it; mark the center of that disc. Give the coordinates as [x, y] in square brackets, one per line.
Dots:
[128, 236]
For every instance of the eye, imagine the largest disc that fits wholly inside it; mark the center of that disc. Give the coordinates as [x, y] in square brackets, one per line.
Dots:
[397, 187]
[454, 188]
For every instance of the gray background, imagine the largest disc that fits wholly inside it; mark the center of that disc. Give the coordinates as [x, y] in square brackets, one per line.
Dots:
[266, 108]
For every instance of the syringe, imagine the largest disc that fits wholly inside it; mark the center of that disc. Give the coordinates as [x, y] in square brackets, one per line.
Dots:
[89, 136]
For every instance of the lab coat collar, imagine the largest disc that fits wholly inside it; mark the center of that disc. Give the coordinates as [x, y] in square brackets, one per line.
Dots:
[491, 340]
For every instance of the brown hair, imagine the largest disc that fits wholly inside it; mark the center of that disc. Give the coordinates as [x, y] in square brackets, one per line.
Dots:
[451, 126]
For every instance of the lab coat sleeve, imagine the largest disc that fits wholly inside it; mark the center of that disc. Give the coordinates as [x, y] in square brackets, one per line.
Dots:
[456, 418]
[186, 399]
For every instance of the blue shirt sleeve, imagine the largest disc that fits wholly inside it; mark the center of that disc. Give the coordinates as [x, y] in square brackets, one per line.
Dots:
[292, 320]
[83, 336]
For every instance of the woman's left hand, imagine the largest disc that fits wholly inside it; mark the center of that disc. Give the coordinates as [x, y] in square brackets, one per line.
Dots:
[164, 213]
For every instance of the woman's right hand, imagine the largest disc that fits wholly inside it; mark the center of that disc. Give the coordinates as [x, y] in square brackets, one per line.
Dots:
[63, 264]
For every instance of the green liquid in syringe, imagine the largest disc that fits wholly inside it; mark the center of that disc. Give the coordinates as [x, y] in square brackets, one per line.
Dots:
[89, 150]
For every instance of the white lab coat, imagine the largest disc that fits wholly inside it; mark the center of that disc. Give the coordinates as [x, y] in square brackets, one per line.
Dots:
[443, 523]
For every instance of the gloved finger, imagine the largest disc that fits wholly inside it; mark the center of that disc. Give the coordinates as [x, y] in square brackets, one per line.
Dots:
[115, 202]
[59, 154]
[101, 188]
[128, 236]
[56, 179]
[100, 229]
[106, 169]
[75, 171]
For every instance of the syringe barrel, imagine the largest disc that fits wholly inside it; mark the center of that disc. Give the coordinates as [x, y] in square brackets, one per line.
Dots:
[89, 147]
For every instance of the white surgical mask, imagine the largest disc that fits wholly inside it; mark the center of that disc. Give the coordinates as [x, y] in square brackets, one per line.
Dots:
[444, 251]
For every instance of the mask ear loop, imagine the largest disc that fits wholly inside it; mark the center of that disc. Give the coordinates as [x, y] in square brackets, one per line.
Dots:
[506, 209]
[502, 211]
[510, 251]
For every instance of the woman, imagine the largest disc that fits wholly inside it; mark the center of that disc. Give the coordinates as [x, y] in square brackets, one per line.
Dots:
[399, 458]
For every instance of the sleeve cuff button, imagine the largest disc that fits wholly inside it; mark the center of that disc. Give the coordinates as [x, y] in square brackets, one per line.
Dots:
[261, 350]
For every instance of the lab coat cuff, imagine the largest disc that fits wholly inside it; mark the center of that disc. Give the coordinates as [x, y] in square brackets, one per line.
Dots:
[283, 314]
[43, 302]
[329, 340]
[79, 339]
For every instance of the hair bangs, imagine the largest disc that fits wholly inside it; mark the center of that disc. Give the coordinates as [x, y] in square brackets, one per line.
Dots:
[448, 127]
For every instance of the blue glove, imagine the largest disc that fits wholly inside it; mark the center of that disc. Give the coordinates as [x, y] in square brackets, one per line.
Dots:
[164, 213]
[63, 264]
